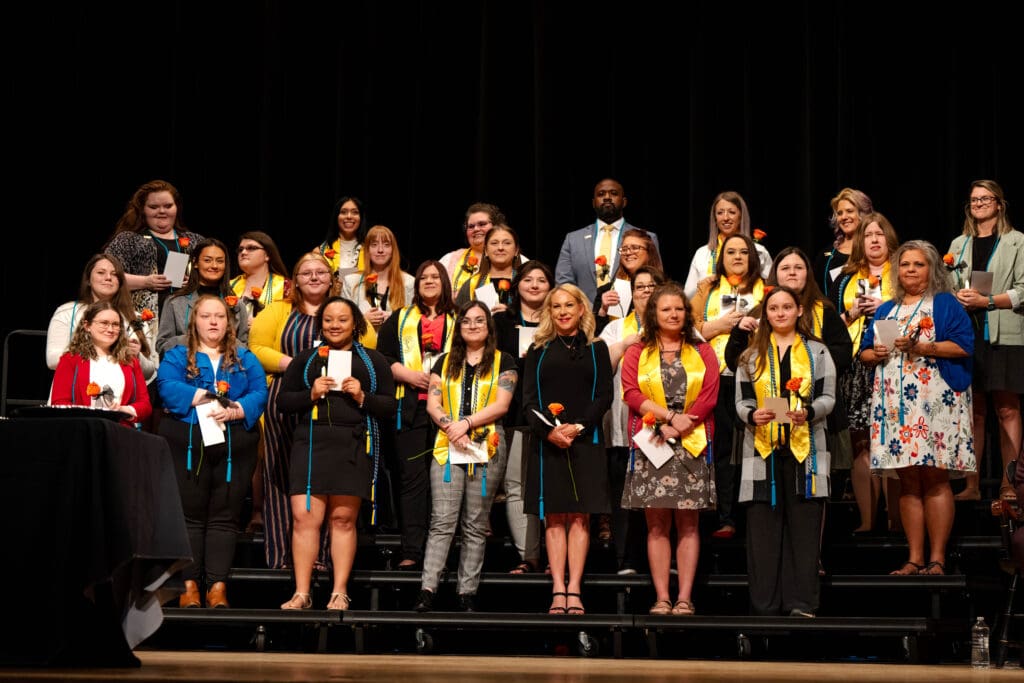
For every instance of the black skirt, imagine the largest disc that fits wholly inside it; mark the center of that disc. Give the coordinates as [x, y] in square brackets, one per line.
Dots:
[997, 368]
[340, 464]
[585, 489]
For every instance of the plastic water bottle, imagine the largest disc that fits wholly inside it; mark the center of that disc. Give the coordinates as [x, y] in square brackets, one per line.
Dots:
[979, 644]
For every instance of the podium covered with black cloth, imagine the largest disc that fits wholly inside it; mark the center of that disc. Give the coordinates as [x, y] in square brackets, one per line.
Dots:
[92, 527]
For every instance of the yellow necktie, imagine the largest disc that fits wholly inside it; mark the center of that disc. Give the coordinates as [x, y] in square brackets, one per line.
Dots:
[605, 250]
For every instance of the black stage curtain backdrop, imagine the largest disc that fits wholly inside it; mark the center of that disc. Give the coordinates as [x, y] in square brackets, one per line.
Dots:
[263, 113]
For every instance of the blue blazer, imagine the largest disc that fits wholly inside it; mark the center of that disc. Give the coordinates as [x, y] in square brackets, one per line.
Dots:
[576, 259]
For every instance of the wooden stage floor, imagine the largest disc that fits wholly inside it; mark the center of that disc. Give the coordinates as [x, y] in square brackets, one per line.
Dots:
[244, 667]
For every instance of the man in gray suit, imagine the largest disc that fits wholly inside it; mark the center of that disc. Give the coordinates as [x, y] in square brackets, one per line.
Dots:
[581, 248]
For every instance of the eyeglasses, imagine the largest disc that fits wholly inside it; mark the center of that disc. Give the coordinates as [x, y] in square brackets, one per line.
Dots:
[473, 322]
[632, 248]
[982, 201]
[318, 274]
[246, 247]
[107, 324]
[646, 288]
[482, 224]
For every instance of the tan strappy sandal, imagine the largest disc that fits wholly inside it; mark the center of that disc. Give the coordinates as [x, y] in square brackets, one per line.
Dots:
[303, 599]
[339, 601]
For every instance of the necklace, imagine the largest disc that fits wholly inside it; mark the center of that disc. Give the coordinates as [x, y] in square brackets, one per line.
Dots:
[568, 345]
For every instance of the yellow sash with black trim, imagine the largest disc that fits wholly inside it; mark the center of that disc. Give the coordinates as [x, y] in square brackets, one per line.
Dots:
[768, 384]
[484, 393]
[856, 328]
[336, 259]
[649, 379]
[409, 339]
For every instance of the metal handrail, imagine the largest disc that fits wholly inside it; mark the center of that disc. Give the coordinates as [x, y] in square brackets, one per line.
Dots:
[4, 401]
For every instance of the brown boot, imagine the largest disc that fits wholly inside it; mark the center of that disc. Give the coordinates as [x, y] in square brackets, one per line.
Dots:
[190, 598]
[217, 596]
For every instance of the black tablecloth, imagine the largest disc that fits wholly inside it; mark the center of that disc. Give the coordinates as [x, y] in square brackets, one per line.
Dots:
[91, 526]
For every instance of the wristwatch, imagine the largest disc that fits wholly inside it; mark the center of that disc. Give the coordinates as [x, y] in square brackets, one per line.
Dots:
[991, 303]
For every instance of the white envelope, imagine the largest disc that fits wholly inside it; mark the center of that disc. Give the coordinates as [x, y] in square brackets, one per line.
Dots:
[487, 295]
[622, 288]
[212, 431]
[473, 454]
[981, 282]
[339, 366]
[174, 269]
[657, 453]
[780, 405]
[886, 332]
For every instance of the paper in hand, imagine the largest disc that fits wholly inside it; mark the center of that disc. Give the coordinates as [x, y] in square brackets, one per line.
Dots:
[211, 430]
[981, 282]
[526, 335]
[622, 288]
[487, 295]
[174, 269]
[779, 405]
[886, 332]
[657, 453]
[473, 454]
[339, 367]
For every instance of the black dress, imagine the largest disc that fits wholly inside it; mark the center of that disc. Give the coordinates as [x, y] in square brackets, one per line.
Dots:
[341, 463]
[580, 378]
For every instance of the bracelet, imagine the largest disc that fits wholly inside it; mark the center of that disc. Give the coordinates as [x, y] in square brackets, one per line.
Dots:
[670, 416]
[934, 349]
[469, 422]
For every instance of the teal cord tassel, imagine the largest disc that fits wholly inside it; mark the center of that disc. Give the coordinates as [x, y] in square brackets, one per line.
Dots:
[448, 470]
[483, 482]
[229, 453]
[541, 449]
[309, 466]
[188, 457]
[772, 458]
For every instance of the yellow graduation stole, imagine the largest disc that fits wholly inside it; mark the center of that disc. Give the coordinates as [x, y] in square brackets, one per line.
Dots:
[273, 291]
[451, 401]
[849, 295]
[767, 436]
[461, 274]
[409, 343]
[714, 256]
[818, 319]
[649, 379]
[336, 259]
[713, 308]
[631, 325]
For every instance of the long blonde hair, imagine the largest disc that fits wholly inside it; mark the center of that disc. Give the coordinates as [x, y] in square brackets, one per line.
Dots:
[1003, 224]
[546, 329]
[228, 345]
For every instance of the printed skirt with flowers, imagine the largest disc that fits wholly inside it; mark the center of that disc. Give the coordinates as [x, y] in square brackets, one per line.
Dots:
[683, 482]
[931, 426]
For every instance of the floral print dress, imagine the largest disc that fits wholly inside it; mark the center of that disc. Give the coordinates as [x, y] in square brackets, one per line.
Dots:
[917, 419]
[683, 482]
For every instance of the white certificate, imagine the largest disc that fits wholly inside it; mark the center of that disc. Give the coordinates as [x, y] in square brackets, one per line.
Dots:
[780, 405]
[886, 332]
[473, 454]
[622, 288]
[174, 269]
[339, 367]
[657, 453]
[487, 295]
[212, 431]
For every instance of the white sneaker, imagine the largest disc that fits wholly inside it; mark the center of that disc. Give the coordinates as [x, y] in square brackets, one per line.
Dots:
[626, 571]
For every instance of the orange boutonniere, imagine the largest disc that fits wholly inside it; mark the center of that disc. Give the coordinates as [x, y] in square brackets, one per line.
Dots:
[222, 388]
[735, 280]
[654, 424]
[759, 234]
[649, 420]
[472, 260]
[873, 281]
[147, 315]
[494, 439]
[948, 259]
[330, 253]
[184, 242]
[324, 351]
[794, 384]
[796, 401]
[371, 279]
[231, 300]
[503, 285]
[93, 389]
[602, 266]
[255, 292]
[556, 409]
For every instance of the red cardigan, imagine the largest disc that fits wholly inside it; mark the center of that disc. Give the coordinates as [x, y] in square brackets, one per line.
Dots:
[71, 390]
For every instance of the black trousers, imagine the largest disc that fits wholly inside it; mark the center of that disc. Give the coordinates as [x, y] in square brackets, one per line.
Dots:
[212, 505]
[782, 545]
[629, 527]
[414, 482]
[725, 471]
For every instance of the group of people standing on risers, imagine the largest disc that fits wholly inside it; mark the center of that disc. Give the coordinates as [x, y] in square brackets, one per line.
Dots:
[598, 387]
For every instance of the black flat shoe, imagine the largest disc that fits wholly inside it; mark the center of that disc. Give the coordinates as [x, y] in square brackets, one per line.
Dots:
[424, 601]
[467, 603]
